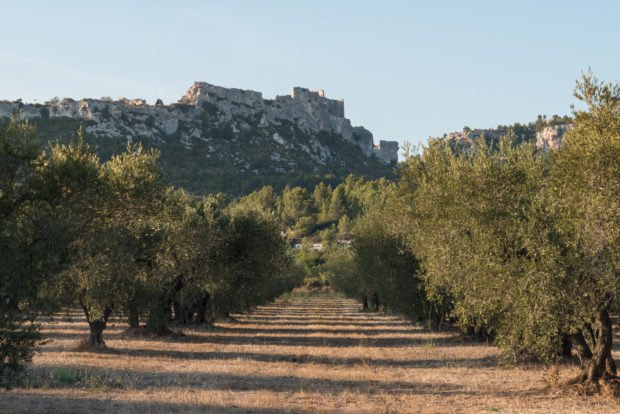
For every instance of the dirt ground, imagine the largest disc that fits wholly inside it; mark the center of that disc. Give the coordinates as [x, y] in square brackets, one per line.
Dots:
[315, 354]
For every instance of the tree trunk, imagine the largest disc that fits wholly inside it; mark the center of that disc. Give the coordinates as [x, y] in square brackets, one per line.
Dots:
[178, 312]
[594, 353]
[133, 313]
[157, 320]
[95, 339]
[202, 309]
[567, 346]
[133, 317]
[374, 302]
[437, 317]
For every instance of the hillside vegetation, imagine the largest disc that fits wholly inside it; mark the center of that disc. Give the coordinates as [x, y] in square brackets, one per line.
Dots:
[222, 140]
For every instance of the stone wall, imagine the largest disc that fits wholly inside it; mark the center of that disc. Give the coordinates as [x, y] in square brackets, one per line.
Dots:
[203, 91]
[386, 151]
[309, 110]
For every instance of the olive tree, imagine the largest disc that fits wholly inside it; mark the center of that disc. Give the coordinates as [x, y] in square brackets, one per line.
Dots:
[586, 188]
[255, 266]
[388, 271]
[186, 267]
[214, 261]
[101, 209]
[480, 224]
[526, 245]
[23, 250]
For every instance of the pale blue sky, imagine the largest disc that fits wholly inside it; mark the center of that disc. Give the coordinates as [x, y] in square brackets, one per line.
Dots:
[407, 70]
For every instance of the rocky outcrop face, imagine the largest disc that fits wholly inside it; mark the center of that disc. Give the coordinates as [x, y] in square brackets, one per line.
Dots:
[236, 110]
[386, 151]
[550, 138]
[309, 110]
[465, 140]
[8, 109]
[203, 91]
[123, 118]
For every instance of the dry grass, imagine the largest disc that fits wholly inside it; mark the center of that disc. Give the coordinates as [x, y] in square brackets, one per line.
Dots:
[312, 354]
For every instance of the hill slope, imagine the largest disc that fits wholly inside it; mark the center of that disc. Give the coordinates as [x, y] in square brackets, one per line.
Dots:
[218, 139]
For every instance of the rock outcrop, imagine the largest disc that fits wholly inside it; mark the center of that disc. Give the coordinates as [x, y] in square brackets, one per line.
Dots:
[550, 138]
[309, 111]
[223, 139]
[465, 139]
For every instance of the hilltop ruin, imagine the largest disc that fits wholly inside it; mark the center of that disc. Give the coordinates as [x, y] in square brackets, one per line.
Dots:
[308, 110]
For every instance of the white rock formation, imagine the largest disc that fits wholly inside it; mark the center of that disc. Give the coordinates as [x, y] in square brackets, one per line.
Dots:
[550, 138]
[309, 111]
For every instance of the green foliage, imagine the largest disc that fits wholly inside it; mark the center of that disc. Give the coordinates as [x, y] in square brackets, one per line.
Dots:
[264, 199]
[322, 199]
[101, 209]
[212, 260]
[377, 267]
[338, 204]
[340, 269]
[256, 261]
[22, 251]
[210, 166]
[344, 225]
[298, 210]
[585, 188]
[524, 246]
[386, 269]
[476, 221]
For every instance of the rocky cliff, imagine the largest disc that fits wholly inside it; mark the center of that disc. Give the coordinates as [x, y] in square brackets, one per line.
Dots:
[215, 134]
[550, 138]
[546, 137]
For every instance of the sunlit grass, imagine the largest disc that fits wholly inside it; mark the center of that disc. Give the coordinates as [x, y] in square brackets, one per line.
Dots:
[299, 354]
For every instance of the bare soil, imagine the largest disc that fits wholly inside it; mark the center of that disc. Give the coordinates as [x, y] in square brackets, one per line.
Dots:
[315, 354]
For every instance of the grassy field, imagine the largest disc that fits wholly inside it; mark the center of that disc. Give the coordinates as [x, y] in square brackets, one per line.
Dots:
[314, 354]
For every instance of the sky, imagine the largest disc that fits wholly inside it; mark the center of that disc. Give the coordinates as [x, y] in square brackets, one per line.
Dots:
[407, 70]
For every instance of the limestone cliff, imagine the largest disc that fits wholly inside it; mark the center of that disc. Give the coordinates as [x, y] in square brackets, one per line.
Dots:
[550, 138]
[546, 138]
[222, 131]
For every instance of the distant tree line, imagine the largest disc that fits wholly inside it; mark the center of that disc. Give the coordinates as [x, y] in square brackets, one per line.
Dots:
[324, 213]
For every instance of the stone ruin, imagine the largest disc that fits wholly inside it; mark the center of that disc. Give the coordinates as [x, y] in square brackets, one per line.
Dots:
[386, 151]
[310, 110]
